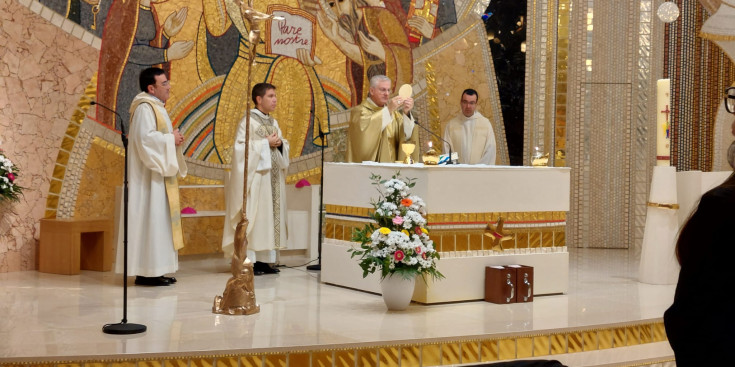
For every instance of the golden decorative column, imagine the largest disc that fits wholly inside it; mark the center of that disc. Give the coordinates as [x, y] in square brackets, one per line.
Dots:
[432, 94]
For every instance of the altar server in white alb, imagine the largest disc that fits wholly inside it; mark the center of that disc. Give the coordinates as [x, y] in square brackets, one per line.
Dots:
[471, 134]
[266, 203]
[155, 161]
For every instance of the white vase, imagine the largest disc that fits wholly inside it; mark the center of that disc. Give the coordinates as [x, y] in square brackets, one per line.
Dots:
[397, 291]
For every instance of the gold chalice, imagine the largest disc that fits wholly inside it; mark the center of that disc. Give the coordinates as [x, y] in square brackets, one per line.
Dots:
[408, 148]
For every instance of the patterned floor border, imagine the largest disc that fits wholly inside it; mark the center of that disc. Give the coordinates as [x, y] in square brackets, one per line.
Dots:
[434, 352]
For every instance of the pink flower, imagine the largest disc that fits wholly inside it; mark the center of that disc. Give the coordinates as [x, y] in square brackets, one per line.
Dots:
[11, 176]
[398, 221]
[417, 229]
[423, 256]
[418, 249]
[399, 255]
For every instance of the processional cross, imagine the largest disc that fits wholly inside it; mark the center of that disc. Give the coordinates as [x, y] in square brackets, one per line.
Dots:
[239, 295]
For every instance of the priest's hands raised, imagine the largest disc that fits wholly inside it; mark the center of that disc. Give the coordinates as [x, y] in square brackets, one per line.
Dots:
[274, 141]
[405, 104]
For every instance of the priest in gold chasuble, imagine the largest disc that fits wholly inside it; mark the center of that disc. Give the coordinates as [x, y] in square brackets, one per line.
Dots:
[380, 124]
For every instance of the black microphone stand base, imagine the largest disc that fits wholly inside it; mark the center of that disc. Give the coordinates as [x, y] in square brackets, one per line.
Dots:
[316, 267]
[123, 328]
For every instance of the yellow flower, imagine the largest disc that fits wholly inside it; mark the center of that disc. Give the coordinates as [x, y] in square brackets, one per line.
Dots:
[406, 233]
[384, 230]
[424, 230]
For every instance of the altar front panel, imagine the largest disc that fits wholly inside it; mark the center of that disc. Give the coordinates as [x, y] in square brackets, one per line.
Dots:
[461, 201]
[456, 189]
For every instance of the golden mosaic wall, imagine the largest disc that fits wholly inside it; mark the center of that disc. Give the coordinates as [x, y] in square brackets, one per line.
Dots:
[202, 235]
[88, 156]
[540, 89]
[202, 198]
[104, 170]
[562, 57]
[465, 48]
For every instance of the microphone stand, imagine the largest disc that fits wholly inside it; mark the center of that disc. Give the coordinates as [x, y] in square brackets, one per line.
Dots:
[123, 327]
[416, 121]
[318, 267]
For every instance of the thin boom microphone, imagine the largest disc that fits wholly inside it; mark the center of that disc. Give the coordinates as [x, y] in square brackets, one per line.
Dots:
[415, 121]
[119, 118]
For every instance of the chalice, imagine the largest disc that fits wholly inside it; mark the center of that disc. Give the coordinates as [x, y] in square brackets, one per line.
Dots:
[408, 148]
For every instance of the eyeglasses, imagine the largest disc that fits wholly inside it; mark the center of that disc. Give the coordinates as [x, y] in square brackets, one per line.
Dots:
[730, 99]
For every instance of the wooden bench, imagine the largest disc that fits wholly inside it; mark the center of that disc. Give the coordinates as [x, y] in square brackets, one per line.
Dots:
[71, 244]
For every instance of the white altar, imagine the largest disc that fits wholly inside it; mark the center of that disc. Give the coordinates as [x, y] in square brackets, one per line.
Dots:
[460, 200]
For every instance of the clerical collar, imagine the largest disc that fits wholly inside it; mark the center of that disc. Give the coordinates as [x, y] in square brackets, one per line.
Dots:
[260, 113]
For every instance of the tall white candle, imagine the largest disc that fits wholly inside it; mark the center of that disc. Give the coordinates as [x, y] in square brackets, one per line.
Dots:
[663, 122]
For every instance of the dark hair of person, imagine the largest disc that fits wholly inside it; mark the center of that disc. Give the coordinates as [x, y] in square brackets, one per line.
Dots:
[148, 77]
[688, 234]
[260, 89]
[470, 92]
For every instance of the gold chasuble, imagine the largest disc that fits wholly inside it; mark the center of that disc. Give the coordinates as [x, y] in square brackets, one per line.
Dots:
[368, 141]
[172, 183]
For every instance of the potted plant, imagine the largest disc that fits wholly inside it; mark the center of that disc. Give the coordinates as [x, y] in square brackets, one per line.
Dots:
[397, 244]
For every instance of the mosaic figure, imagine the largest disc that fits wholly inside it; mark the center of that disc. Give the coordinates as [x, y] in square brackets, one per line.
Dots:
[306, 102]
[371, 37]
[133, 40]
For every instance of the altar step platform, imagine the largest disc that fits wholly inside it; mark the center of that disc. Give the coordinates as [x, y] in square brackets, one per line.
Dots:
[606, 318]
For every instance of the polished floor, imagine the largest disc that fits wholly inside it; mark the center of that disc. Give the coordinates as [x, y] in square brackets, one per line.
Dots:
[56, 317]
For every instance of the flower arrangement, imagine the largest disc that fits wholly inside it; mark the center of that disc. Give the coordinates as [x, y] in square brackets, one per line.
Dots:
[9, 191]
[400, 243]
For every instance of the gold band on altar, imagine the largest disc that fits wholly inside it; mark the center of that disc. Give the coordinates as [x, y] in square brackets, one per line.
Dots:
[545, 217]
[457, 239]
[663, 206]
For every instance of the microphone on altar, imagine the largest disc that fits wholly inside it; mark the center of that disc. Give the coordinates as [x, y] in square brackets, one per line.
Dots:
[124, 133]
[451, 160]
